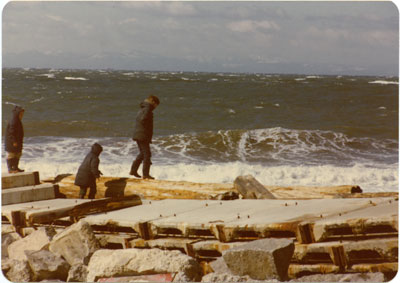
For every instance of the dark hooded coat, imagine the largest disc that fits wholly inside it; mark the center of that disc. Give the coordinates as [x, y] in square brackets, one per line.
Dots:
[14, 132]
[144, 123]
[89, 169]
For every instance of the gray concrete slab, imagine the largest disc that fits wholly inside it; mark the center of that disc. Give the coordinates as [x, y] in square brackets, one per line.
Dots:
[134, 217]
[28, 194]
[22, 179]
[222, 219]
[374, 219]
[231, 220]
[31, 210]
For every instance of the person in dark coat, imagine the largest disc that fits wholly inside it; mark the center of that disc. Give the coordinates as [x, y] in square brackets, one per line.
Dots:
[88, 172]
[143, 134]
[14, 140]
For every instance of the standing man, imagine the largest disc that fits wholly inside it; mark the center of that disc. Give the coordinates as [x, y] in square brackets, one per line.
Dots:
[143, 135]
[14, 140]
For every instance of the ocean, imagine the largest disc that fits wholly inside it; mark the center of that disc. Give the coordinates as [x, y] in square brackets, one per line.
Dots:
[285, 130]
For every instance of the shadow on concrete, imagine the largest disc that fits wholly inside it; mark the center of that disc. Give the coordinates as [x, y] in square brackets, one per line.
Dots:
[115, 188]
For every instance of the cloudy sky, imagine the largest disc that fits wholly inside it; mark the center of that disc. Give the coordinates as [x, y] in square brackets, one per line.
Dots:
[359, 38]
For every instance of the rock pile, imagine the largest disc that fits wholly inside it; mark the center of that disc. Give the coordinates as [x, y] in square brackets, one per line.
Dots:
[74, 255]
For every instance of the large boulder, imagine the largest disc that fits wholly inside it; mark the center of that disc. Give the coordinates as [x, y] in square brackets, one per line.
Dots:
[77, 273]
[46, 265]
[6, 240]
[131, 262]
[20, 271]
[38, 240]
[263, 259]
[76, 244]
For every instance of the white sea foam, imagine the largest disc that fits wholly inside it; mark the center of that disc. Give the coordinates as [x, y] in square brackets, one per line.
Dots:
[313, 77]
[49, 76]
[37, 100]
[368, 178]
[76, 78]
[384, 82]
[300, 79]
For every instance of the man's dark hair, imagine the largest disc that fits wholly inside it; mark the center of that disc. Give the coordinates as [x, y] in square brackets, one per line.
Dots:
[154, 98]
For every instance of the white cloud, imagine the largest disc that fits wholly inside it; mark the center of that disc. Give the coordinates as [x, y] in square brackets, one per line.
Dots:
[252, 26]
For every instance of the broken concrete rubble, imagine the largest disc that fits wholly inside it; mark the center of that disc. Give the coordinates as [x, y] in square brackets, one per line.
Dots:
[20, 271]
[250, 188]
[76, 244]
[114, 263]
[6, 240]
[38, 240]
[205, 229]
[46, 265]
[77, 273]
[261, 259]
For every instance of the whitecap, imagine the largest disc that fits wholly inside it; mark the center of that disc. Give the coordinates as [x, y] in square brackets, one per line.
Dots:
[37, 100]
[384, 82]
[300, 79]
[258, 107]
[49, 76]
[382, 108]
[232, 111]
[212, 80]
[276, 105]
[313, 77]
[76, 78]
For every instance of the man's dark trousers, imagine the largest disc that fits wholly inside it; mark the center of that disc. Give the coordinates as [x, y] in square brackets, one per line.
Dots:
[143, 156]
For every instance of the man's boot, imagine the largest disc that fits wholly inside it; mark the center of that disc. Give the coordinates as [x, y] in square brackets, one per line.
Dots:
[146, 170]
[134, 168]
[16, 165]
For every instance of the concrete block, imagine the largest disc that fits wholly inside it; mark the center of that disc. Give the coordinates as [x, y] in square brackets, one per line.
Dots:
[20, 271]
[76, 244]
[261, 259]
[77, 273]
[28, 194]
[6, 240]
[37, 240]
[132, 262]
[46, 265]
[22, 179]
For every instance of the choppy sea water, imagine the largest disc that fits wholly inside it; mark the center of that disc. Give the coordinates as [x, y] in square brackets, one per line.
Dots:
[212, 127]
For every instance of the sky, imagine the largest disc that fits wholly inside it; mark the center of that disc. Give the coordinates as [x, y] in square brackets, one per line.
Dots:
[348, 38]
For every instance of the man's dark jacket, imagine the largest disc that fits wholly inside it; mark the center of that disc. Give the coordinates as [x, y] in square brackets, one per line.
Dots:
[14, 132]
[144, 123]
[89, 169]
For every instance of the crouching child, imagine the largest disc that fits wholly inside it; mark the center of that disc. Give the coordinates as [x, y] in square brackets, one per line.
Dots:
[88, 172]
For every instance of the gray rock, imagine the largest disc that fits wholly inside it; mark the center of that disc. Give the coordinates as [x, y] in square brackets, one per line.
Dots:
[77, 273]
[6, 240]
[38, 240]
[132, 262]
[219, 266]
[181, 277]
[261, 259]
[76, 244]
[354, 277]
[46, 265]
[6, 265]
[225, 277]
[20, 271]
